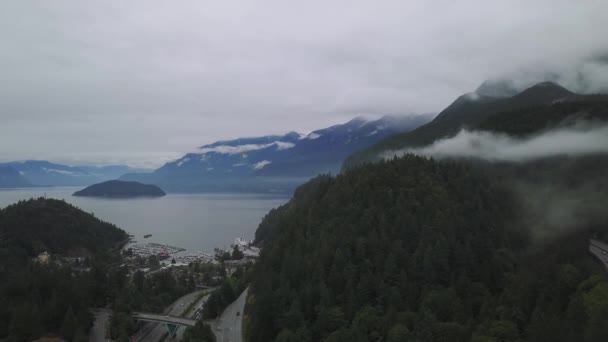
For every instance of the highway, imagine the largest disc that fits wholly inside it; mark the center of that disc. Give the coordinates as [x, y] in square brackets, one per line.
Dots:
[191, 314]
[98, 331]
[600, 251]
[228, 327]
[154, 332]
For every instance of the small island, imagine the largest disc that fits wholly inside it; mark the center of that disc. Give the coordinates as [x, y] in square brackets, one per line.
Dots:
[120, 189]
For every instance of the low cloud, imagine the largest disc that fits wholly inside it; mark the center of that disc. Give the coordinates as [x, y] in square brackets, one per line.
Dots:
[555, 195]
[260, 165]
[195, 72]
[579, 140]
[311, 136]
[551, 209]
[227, 149]
[588, 75]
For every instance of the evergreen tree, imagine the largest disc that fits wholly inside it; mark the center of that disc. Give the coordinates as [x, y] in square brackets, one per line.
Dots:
[69, 324]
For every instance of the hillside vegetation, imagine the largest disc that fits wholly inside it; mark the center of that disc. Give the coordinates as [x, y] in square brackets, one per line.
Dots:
[413, 249]
[38, 225]
[49, 297]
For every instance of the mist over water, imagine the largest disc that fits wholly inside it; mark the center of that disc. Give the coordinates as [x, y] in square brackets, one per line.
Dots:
[197, 222]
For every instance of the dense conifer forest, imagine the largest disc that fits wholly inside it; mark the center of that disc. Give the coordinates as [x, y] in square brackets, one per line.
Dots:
[414, 249]
[37, 297]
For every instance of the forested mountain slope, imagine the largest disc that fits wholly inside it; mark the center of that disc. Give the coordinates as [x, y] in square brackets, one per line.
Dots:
[413, 249]
[536, 119]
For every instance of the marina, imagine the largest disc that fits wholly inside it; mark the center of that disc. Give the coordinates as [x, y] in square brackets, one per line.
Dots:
[201, 257]
[152, 248]
[172, 253]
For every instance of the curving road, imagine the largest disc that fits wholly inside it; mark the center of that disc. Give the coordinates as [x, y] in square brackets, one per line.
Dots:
[98, 330]
[228, 327]
[191, 314]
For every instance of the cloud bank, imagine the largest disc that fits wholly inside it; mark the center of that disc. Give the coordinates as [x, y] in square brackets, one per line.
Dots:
[141, 81]
[489, 146]
[555, 197]
[551, 209]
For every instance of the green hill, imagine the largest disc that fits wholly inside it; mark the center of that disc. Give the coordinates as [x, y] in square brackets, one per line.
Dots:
[39, 225]
[36, 297]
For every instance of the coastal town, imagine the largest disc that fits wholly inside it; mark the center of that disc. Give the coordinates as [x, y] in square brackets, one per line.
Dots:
[153, 257]
[240, 252]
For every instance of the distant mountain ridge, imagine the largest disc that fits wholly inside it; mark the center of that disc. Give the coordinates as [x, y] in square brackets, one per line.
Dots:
[45, 173]
[11, 178]
[275, 162]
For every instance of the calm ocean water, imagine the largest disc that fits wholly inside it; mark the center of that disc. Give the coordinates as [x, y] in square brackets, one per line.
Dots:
[197, 222]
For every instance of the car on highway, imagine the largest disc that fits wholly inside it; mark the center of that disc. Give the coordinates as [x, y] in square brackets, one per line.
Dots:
[238, 313]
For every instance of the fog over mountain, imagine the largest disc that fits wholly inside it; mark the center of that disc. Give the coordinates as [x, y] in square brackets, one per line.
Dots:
[572, 141]
[550, 207]
[144, 81]
[586, 76]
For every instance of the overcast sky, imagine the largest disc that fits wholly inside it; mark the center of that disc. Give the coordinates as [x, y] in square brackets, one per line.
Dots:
[142, 82]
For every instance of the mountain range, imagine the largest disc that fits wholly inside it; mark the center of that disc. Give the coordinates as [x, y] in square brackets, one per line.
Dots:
[10, 178]
[278, 163]
[469, 111]
[43, 173]
[275, 163]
